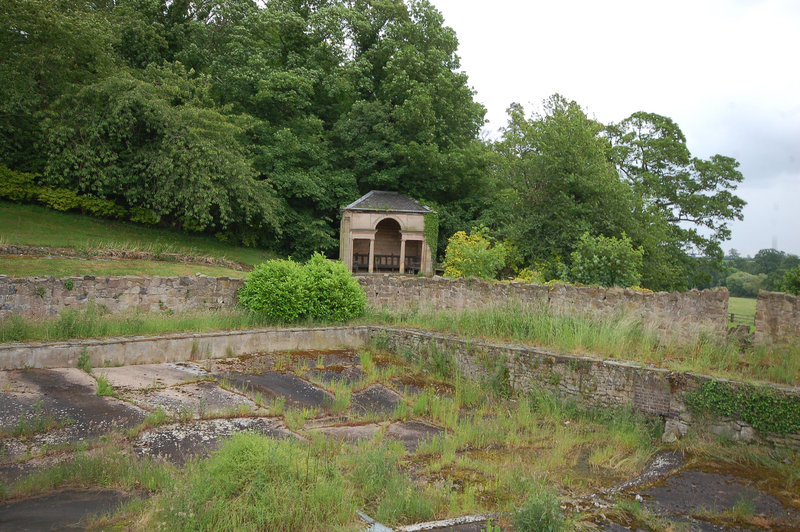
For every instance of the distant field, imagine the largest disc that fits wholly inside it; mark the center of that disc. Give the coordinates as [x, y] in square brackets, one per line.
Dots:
[37, 226]
[28, 267]
[742, 305]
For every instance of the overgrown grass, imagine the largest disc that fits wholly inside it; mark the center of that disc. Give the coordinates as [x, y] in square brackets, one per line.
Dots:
[30, 267]
[38, 226]
[104, 467]
[624, 337]
[254, 483]
[93, 321]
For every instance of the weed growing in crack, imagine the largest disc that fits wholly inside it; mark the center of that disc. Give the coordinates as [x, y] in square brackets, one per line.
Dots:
[104, 387]
[34, 422]
[296, 418]
[83, 361]
[277, 406]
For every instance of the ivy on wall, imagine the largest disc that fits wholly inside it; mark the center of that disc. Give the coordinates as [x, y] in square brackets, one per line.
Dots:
[432, 232]
[762, 408]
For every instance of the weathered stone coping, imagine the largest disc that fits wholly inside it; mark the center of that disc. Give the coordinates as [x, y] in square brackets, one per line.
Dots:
[177, 347]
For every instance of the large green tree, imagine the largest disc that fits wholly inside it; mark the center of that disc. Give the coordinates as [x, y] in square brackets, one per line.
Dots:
[694, 196]
[199, 111]
[155, 142]
[47, 48]
[559, 183]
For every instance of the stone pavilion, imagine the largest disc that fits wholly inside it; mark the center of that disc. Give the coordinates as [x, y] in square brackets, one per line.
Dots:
[385, 232]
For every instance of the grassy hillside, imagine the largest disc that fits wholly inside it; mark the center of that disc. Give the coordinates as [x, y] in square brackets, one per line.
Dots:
[42, 267]
[38, 226]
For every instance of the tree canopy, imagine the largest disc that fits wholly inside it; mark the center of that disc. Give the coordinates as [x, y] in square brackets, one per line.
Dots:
[252, 121]
[258, 121]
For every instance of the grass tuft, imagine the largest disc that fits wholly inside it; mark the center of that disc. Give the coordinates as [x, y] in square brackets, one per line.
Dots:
[104, 388]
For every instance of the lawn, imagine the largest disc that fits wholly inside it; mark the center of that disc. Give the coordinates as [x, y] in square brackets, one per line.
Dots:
[37, 226]
[28, 267]
[745, 306]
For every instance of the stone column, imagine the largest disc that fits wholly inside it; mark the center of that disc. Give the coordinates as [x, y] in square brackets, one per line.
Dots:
[349, 257]
[402, 253]
[371, 254]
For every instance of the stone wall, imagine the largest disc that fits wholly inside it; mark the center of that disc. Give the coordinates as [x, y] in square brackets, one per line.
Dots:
[777, 318]
[673, 315]
[42, 296]
[177, 347]
[591, 381]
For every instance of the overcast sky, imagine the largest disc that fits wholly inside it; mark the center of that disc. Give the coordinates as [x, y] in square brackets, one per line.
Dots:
[727, 71]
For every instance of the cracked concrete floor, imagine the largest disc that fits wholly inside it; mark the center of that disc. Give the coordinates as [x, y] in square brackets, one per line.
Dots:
[203, 402]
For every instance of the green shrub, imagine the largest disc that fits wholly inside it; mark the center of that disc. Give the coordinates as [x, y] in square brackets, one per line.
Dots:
[334, 294]
[277, 290]
[528, 275]
[141, 215]
[606, 261]
[18, 186]
[22, 187]
[102, 208]
[743, 284]
[59, 199]
[473, 255]
[791, 282]
[286, 291]
[540, 513]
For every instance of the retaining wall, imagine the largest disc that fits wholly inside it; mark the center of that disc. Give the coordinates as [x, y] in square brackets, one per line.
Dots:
[177, 347]
[675, 315]
[43, 296]
[777, 318]
[591, 381]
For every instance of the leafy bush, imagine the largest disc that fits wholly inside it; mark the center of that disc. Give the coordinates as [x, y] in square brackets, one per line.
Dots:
[606, 261]
[743, 284]
[528, 275]
[22, 187]
[18, 186]
[473, 255]
[333, 292]
[540, 513]
[59, 199]
[102, 208]
[284, 290]
[277, 290]
[791, 282]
